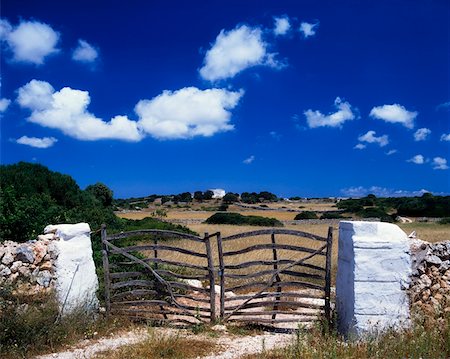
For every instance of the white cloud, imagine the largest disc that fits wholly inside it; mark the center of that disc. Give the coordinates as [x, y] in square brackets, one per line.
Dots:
[394, 114]
[30, 41]
[391, 152]
[308, 29]
[44, 142]
[282, 25]
[249, 160]
[84, 52]
[439, 163]
[445, 137]
[187, 113]
[4, 103]
[417, 159]
[370, 137]
[360, 146]
[66, 110]
[443, 106]
[344, 113]
[380, 192]
[422, 134]
[234, 51]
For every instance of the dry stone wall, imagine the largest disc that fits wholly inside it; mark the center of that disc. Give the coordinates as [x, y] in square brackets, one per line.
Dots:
[430, 282]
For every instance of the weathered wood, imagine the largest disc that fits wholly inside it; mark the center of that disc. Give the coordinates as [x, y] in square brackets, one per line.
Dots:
[212, 289]
[275, 268]
[271, 312]
[165, 261]
[271, 263]
[159, 247]
[282, 284]
[155, 251]
[221, 275]
[272, 271]
[133, 282]
[121, 275]
[270, 303]
[277, 246]
[181, 276]
[328, 275]
[141, 303]
[106, 270]
[276, 231]
[134, 293]
[274, 294]
[159, 232]
[272, 321]
[160, 312]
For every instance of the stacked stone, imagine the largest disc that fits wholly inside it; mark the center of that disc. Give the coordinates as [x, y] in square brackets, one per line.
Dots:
[430, 282]
[29, 267]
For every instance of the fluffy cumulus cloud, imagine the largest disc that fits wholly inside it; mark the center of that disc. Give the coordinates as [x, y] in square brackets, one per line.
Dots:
[391, 152]
[249, 160]
[234, 51]
[360, 146]
[417, 159]
[4, 103]
[282, 25]
[85, 52]
[66, 110]
[439, 163]
[394, 114]
[422, 134]
[308, 29]
[360, 191]
[343, 113]
[187, 113]
[36, 142]
[445, 137]
[370, 137]
[30, 41]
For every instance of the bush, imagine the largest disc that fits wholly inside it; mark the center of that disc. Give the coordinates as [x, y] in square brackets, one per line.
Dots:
[239, 219]
[306, 215]
[445, 220]
[331, 215]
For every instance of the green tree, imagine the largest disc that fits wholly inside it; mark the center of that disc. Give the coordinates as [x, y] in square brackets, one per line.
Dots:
[101, 192]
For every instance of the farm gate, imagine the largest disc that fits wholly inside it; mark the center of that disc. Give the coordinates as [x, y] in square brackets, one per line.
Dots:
[271, 276]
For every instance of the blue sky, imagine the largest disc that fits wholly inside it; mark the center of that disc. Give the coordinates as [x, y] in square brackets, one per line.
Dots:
[308, 98]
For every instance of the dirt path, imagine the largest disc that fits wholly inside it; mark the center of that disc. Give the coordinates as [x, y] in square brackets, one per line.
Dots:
[231, 346]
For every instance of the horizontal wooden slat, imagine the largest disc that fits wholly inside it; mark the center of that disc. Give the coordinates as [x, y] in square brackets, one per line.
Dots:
[181, 276]
[276, 294]
[141, 303]
[161, 233]
[171, 321]
[134, 293]
[121, 275]
[270, 312]
[164, 261]
[271, 263]
[160, 312]
[158, 247]
[135, 282]
[271, 303]
[275, 231]
[273, 271]
[257, 247]
[271, 321]
[276, 284]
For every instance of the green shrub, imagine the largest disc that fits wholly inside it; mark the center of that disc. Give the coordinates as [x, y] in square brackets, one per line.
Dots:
[306, 215]
[239, 219]
[331, 215]
[445, 220]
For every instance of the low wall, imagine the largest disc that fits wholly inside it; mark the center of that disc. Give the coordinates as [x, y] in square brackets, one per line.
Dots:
[60, 261]
[373, 274]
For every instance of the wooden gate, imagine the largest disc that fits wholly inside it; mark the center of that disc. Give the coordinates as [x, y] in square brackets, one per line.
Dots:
[275, 276]
[142, 281]
[271, 276]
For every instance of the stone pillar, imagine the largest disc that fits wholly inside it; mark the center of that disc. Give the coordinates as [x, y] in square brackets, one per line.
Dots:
[374, 268]
[76, 279]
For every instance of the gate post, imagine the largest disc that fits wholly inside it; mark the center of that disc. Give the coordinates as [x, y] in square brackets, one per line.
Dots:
[221, 276]
[106, 271]
[328, 275]
[212, 289]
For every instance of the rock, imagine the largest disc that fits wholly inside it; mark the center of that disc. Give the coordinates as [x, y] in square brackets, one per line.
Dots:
[49, 236]
[433, 259]
[8, 256]
[194, 283]
[47, 265]
[24, 271]
[426, 294]
[444, 266]
[438, 297]
[230, 294]
[25, 254]
[50, 229]
[2, 251]
[4, 271]
[39, 250]
[219, 328]
[44, 278]
[425, 280]
[52, 250]
[435, 287]
[15, 266]
[12, 278]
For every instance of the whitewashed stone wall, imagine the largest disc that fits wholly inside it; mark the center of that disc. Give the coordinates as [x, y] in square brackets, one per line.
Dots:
[373, 274]
[60, 260]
